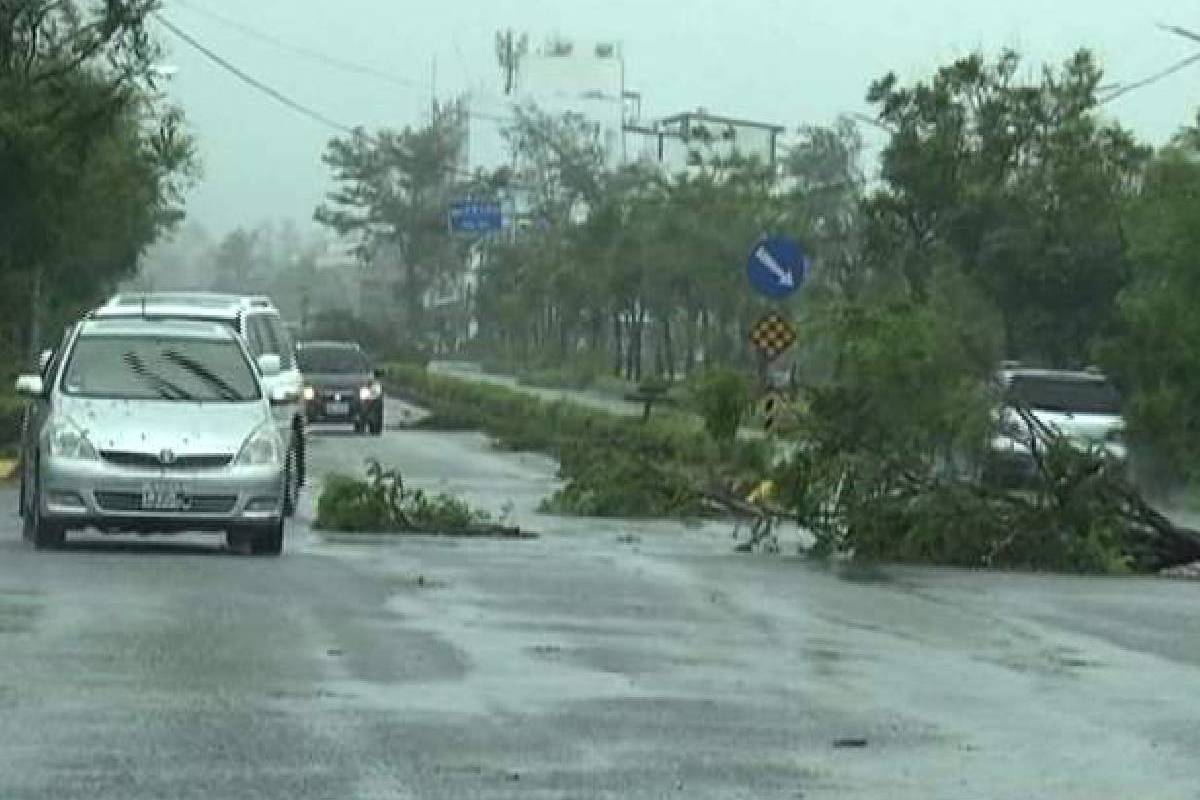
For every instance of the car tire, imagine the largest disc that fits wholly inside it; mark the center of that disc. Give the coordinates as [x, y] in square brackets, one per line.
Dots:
[235, 539]
[360, 426]
[268, 541]
[291, 484]
[44, 534]
[375, 426]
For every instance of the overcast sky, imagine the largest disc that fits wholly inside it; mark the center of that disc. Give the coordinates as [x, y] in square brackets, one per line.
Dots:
[784, 61]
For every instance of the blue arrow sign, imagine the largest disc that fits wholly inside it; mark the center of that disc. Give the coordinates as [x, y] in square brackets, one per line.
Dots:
[777, 266]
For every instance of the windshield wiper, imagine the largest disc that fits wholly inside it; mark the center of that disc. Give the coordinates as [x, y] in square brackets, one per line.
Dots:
[165, 389]
[202, 372]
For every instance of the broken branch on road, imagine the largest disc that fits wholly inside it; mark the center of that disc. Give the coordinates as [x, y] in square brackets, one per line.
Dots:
[383, 504]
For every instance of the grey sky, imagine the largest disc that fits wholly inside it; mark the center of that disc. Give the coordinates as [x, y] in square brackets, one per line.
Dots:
[784, 61]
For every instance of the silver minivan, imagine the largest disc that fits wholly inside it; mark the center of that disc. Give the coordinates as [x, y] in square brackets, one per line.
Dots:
[152, 425]
[260, 324]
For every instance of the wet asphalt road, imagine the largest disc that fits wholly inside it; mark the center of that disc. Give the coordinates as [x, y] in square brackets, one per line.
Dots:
[583, 664]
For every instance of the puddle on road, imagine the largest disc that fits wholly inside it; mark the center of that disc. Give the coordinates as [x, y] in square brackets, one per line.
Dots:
[19, 610]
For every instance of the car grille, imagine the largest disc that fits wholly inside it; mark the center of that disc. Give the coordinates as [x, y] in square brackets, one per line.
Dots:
[152, 461]
[198, 503]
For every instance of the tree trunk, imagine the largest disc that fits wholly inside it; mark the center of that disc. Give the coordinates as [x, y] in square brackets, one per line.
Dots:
[632, 343]
[693, 340]
[617, 349]
[35, 314]
[640, 327]
[668, 348]
[597, 333]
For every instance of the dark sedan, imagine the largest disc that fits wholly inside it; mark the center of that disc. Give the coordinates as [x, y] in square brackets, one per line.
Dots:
[340, 385]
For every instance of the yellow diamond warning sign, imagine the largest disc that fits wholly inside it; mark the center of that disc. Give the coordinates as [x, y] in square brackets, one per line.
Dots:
[772, 335]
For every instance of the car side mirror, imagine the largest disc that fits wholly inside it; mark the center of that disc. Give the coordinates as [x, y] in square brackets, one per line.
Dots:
[269, 365]
[282, 396]
[31, 386]
[44, 359]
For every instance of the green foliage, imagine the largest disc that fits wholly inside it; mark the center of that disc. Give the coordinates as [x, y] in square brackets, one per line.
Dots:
[12, 420]
[94, 165]
[382, 504]
[612, 465]
[722, 397]
[393, 192]
[609, 482]
[1020, 183]
[632, 267]
[1074, 518]
[578, 374]
[1155, 357]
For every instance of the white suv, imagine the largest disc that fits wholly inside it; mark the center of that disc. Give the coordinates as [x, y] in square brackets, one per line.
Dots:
[258, 321]
[1081, 406]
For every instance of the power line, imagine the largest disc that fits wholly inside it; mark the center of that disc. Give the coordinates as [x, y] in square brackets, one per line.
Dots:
[250, 80]
[307, 52]
[325, 58]
[1178, 31]
[1151, 79]
[275, 94]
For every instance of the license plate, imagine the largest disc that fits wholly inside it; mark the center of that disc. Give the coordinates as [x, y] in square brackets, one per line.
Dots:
[337, 409]
[163, 497]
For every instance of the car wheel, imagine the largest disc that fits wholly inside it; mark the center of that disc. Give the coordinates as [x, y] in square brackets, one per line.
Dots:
[291, 484]
[44, 534]
[268, 541]
[375, 426]
[359, 426]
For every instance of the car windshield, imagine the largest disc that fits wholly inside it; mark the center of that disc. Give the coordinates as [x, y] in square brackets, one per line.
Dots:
[332, 360]
[1076, 395]
[160, 368]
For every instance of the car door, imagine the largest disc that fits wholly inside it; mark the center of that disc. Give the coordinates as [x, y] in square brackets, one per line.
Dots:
[37, 411]
[265, 335]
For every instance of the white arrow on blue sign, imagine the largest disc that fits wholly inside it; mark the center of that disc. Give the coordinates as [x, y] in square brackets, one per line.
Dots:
[777, 266]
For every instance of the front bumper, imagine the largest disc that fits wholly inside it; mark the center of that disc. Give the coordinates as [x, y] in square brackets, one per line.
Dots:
[1011, 462]
[347, 408]
[111, 497]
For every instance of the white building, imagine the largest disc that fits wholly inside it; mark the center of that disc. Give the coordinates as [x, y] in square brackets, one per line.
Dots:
[689, 140]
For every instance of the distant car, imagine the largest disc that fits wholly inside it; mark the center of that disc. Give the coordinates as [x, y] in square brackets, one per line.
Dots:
[148, 426]
[258, 321]
[341, 385]
[1083, 407]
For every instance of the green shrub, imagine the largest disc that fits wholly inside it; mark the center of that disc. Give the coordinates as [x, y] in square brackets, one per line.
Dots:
[722, 397]
[614, 483]
[381, 504]
[12, 420]
[612, 465]
[578, 375]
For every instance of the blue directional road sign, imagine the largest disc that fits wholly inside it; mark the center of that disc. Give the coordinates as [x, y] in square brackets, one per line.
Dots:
[777, 266]
[475, 216]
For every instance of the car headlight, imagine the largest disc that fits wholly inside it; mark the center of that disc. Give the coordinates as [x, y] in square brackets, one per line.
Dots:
[370, 392]
[309, 393]
[67, 440]
[262, 447]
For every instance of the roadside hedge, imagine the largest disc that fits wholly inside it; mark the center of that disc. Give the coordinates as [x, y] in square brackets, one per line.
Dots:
[614, 466]
[522, 422]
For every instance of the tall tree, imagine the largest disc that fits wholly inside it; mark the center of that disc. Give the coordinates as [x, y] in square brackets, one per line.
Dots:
[92, 163]
[1021, 182]
[1156, 354]
[393, 196]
